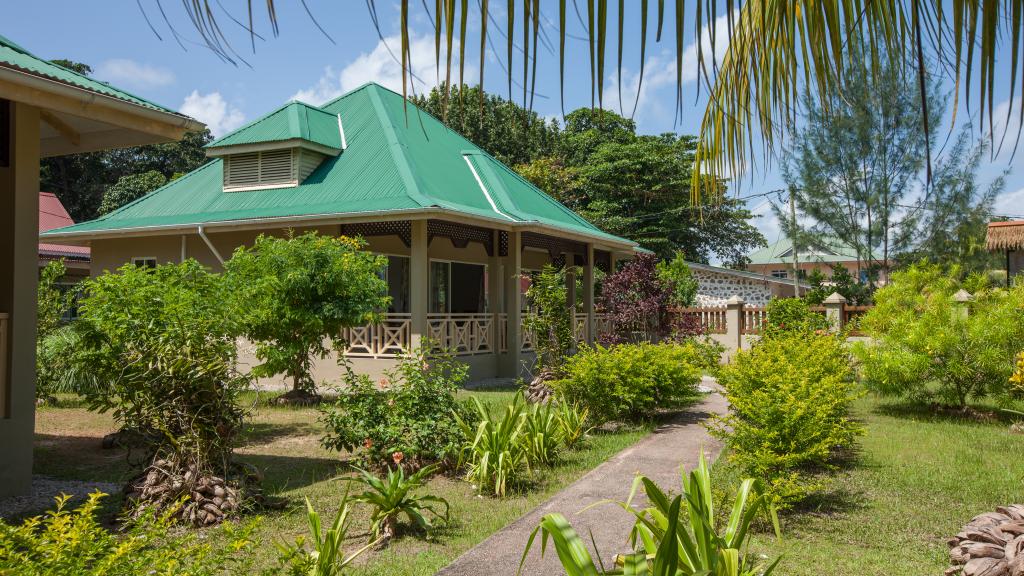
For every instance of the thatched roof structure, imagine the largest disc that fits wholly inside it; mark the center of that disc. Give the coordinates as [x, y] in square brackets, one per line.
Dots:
[1005, 235]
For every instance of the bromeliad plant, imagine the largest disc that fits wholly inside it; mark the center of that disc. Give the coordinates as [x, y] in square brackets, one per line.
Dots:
[392, 496]
[495, 454]
[681, 536]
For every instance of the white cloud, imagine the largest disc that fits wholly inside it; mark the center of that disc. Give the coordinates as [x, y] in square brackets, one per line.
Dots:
[131, 73]
[1010, 203]
[212, 110]
[383, 66]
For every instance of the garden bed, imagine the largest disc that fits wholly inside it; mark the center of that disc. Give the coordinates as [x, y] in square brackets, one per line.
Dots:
[284, 443]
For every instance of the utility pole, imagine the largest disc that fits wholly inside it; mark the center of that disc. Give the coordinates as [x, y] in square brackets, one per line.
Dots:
[793, 241]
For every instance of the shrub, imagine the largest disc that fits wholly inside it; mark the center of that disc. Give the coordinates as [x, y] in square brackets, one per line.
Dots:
[790, 398]
[631, 381]
[413, 412]
[680, 535]
[787, 315]
[635, 301]
[551, 320]
[496, 453]
[677, 277]
[74, 543]
[51, 303]
[162, 342]
[391, 496]
[294, 293]
[927, 346]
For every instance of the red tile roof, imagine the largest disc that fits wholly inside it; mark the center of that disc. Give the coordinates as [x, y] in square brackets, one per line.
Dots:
[53, 215]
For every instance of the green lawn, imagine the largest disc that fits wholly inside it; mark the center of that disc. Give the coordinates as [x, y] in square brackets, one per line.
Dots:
[284, 443]
[917, 480]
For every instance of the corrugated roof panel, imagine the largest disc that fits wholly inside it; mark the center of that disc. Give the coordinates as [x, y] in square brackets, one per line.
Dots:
[294, 120]
[15, 56]
[398, 158]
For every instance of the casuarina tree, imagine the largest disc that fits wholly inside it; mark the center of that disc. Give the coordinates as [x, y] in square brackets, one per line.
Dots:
[296, 293]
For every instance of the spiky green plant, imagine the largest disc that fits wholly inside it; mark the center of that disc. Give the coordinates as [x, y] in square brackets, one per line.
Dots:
[542, 435]
[392, 496]
[327, 558]
[495, 454]
[678, 536]
[573, 422]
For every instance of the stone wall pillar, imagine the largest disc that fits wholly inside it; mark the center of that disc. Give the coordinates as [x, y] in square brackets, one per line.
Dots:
[734, 322]
[834, 311]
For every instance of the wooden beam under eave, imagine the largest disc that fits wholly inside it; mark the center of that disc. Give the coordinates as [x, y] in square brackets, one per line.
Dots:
[61, 126]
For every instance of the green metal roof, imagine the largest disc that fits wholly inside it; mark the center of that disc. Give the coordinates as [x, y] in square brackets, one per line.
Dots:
[398, 158]
[781, 252]
[14, 56]
[294, 120]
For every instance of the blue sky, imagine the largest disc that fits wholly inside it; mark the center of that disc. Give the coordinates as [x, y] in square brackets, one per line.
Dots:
[113, 37]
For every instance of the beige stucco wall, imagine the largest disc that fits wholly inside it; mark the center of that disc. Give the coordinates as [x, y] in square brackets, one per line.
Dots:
[19, 268]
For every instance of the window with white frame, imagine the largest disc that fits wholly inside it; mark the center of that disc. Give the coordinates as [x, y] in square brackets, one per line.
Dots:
[780, 273]
[144, 261]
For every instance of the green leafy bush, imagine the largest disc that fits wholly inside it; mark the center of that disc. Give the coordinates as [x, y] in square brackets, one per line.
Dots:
[392, 496]
[927, 346]
[551, 319]
[672, 536]
[294, 293]
[495, 454]
[74, 543]
[51, 304]
[162, 343]
[790, 397]
[631, 381]
[786, 315]
[676, 275]
[412, 412]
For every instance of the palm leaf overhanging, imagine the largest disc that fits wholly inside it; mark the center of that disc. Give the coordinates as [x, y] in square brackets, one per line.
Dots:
[776, 50]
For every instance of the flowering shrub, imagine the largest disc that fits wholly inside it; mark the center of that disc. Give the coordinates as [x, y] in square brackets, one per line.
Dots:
[790, 396]
[1017, 378]
[631, 381]
[408, 418]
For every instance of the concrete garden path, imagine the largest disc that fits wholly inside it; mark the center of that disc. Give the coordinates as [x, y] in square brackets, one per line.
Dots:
[658, 457]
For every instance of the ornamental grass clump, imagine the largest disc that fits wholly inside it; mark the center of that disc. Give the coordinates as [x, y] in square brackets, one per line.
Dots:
[790, 398]
[162, 342]
[542, 434]
[496, 452]
[573, 422]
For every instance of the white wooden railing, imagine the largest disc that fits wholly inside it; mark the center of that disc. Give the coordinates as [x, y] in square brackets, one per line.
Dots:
[464, 334]
[4, 339]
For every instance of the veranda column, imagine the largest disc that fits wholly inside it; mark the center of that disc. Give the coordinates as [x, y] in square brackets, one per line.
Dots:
[513, 304]
[494, 289]
[570, 286]
[588, 296]
[19, 273]
[419, 283]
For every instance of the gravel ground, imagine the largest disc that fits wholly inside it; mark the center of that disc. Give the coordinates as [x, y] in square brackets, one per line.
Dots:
[44, 490]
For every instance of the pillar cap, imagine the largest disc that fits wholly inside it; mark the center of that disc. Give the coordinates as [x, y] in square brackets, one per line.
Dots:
[962, 296]
[735, 300]
[835, 298]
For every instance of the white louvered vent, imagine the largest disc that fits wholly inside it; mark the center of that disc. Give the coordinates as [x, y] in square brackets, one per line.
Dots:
[264, 169]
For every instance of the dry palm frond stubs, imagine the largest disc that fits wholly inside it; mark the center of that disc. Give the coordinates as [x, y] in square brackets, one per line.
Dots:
[207, 499]
[991, 544]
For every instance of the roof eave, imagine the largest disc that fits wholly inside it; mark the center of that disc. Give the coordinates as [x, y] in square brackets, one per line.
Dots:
[85, 236]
